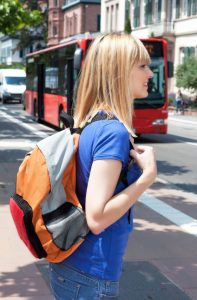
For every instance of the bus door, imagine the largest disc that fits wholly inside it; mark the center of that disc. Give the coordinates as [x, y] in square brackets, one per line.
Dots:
[69, 85]
[40, 87]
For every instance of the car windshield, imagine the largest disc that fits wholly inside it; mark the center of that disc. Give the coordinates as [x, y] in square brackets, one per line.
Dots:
[15, 80]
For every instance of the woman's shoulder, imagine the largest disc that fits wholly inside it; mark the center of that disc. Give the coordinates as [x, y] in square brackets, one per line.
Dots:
[106, 139]
[108, 128]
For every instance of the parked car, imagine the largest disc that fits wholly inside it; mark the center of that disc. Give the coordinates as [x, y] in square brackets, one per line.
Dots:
[12, 84]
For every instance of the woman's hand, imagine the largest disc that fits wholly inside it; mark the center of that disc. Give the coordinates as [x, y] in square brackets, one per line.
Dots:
[145, 157]
[103, 208]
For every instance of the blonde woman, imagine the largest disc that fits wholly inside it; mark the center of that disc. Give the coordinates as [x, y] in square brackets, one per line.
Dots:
[116, 71]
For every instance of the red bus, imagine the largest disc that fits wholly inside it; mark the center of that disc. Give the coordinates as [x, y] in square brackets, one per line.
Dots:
[52, 75]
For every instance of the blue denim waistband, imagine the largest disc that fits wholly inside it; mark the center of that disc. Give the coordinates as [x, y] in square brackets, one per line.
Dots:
[81, 277]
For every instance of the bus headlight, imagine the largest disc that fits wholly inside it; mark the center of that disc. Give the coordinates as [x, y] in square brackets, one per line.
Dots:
[158, 122]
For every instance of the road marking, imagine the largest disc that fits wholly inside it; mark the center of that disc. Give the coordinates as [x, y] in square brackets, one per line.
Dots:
[193, 144]
[3, 108]
[26, 126]
[14, 144]
[182, 121]
[158, 179]
[184, 221]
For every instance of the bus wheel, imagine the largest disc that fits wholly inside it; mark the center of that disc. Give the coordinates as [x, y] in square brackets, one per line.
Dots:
[60, 123]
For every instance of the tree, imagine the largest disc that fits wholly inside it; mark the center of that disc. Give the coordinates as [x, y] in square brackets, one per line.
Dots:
[13, 16]
[38, 32]
[127, 28]
[186, 74]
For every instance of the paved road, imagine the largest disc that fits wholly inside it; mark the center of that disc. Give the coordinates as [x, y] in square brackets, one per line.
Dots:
[165, 233]
[176, 151]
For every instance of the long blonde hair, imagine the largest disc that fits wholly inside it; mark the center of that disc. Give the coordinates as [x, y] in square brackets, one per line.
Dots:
[105, 78]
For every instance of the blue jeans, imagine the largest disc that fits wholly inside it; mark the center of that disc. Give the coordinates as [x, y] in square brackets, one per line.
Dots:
[68, 283]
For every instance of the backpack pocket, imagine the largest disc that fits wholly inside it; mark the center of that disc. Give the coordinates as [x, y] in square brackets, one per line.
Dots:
[22, 215]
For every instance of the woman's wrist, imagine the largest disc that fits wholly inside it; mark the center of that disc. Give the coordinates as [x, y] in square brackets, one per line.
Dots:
[147, 178]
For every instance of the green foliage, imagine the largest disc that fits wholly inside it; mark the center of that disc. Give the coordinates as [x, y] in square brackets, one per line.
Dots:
[128, 28]
[13, 16]
[38, 32]
[186, 74]
[170, 100]
[193, 104]
[13, 66]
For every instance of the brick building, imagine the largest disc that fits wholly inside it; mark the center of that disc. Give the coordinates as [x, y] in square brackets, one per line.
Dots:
[71, 17]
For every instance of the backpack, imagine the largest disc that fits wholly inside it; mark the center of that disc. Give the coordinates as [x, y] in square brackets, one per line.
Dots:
[45, 208]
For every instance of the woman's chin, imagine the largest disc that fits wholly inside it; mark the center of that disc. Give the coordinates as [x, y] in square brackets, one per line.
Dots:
[142, 95]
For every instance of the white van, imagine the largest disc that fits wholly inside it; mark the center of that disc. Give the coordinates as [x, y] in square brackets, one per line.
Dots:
[12, 84]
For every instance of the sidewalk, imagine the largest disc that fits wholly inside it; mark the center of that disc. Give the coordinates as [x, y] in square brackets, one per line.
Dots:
[23, 277]
[19, 276]
[187, 111]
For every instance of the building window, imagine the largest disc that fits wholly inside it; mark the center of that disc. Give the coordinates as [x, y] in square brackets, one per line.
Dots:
[107, 19]
[67, 2]
[69, 26]
[191, 7]
[178, 5]
[158, 10]
[186, 52]
[54, 30]
[112, 18]
[55, 3]
[127, 9]
[98, 22]
[21, 53]
[148, 11]
[116, 16]
[136, 13]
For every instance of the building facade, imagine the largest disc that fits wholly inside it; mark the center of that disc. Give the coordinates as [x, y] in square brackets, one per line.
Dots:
[9, 53]
[173, 20]
[114, 14]
[72, 17]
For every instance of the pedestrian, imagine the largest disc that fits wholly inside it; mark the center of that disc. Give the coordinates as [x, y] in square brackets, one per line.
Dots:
[179, 103]
[115, 72]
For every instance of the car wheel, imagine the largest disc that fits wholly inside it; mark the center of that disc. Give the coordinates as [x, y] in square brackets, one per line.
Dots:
[3, 100]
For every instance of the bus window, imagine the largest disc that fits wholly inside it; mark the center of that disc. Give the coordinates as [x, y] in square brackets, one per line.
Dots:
[51, 79]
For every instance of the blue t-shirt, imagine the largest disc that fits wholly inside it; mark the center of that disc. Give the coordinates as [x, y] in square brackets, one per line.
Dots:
[101, 255]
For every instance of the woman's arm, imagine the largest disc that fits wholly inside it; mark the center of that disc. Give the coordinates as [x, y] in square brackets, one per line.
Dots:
[102, 208]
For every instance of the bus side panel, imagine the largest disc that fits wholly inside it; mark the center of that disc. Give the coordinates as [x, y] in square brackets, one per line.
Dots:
[150, 121]
[53, 104]
[29, 97]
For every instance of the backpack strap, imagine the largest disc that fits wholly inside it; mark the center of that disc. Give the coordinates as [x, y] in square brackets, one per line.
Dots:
[99, 117]
[69, 123]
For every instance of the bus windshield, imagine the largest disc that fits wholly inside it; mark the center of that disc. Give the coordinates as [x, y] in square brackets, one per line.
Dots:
[156, 87]
[15, 80]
